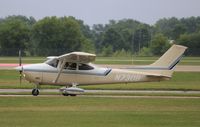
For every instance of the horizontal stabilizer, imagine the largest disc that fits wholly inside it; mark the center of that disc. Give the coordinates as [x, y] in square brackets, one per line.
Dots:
[164, 73]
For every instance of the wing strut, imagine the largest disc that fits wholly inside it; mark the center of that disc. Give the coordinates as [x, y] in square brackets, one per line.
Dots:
[61, 68]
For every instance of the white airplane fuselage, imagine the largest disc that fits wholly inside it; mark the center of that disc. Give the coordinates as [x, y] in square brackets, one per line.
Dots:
[74, 69]
[44, 74]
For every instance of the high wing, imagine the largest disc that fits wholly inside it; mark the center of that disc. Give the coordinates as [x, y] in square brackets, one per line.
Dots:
[74, 57]
[78, 57]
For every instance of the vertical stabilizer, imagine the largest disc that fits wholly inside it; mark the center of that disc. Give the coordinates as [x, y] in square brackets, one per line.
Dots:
[170, 58]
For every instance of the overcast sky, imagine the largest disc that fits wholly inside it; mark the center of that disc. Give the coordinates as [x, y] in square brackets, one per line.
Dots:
[101, 11]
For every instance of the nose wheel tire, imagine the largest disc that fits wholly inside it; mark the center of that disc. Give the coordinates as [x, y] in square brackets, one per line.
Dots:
[35, 92]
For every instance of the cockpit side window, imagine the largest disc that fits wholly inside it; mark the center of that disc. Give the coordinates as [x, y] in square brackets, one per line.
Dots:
[72, 66]
[53, 63]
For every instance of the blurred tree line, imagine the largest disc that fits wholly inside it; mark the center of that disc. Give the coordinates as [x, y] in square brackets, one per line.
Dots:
[59, 35]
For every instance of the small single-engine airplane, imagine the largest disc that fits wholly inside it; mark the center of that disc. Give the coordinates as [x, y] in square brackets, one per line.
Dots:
[75, 68]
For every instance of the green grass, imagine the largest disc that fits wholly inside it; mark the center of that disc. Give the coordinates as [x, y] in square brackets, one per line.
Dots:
[98, 112]
[179, 81]
[107, 60]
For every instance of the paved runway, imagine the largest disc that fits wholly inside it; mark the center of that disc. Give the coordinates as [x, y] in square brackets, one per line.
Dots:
[110, 96]
[106, 91]
[161, 97]
[117, 92]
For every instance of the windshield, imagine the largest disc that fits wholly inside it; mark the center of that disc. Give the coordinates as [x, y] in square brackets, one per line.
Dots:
[52, 62]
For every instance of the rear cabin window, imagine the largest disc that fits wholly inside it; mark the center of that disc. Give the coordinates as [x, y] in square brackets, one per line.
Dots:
[84, 67]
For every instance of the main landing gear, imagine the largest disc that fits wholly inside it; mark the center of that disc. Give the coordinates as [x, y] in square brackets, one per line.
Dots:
[71, 91]
[65, 94]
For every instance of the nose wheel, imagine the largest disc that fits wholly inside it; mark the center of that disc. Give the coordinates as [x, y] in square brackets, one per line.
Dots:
[35, 92]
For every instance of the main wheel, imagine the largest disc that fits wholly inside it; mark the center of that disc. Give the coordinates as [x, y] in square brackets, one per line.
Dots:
[35, 92]
[73, 95]
[65, 94]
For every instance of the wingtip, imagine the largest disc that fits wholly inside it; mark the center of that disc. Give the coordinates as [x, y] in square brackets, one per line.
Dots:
[180, 46]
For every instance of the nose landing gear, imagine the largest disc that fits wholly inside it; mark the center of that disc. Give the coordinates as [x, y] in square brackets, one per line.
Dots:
[35, 92]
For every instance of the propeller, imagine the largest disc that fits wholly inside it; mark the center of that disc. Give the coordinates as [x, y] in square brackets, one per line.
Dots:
[21, 67]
